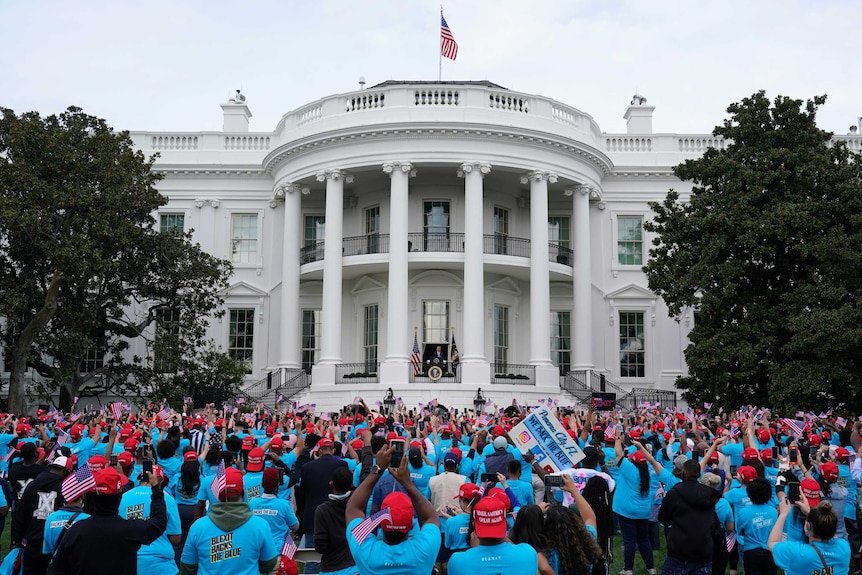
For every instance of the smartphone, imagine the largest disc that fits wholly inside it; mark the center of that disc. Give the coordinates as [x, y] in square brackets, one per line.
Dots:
[343, 436]
[793, 492]
[147, 466]
[774, 453]
[794, 455]
[113, 461]
[398, 454]
[489, 477]
[553, 480]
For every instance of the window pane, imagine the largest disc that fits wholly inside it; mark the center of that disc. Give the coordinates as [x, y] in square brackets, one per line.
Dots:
[315, 229]
[311, 326]
[165, 349]
[501, 336]
[241, 336]
[372, 220]
[172, 223]
[561, 340]
[435, 322]
[558, 230]
[370, 338]
[632, 345]
[244, 238]
[630, 240]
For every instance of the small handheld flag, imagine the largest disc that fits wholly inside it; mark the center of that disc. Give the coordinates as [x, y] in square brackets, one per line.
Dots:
[367, 527]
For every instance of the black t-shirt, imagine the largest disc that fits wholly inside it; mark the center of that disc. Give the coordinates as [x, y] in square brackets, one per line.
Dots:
[21, 475]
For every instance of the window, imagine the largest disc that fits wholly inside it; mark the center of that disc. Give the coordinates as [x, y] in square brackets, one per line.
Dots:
[165, 348]
[372, 229]
[435, 321]
[501, 229]
[436, 226]
[315, 230]
[311, 326]
[632, 354]
[370, 329]
[241, 337]
[558, 231]
[630, 240]
[244, 238]
[94, 359]
[172, 223]
[561, 340]
[501, 337]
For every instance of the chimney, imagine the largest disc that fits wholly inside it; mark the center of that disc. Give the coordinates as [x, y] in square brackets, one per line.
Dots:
[236, 114]
[638, 116]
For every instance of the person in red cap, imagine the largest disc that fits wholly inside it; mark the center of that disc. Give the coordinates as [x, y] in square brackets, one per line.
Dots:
[230, 539]
[23, 471]
[493, 554]
[827, 476]
[277, 513]
[116, 539]
[632, 505]
[396, 551]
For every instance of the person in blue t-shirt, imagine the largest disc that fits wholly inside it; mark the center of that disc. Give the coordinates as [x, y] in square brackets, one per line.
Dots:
[494, 554]
[277, 512]
[397, 552]
[157, 558]
[60, 521]
[754, 523]
[229, 539]
[824, 553]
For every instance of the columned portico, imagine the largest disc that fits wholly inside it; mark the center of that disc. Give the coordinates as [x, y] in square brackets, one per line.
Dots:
[330, 346]
[540, 287]
[289, 354]
[582, 355]
[475, 367]
[394, 367]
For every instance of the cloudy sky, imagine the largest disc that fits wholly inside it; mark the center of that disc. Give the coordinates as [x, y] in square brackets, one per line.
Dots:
[168, 64]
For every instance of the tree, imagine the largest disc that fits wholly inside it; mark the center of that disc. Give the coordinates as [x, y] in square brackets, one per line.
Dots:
[84, 270]
[767, 251]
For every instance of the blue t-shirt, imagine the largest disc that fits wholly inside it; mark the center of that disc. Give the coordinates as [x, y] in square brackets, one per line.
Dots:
[157, 558]
[457, 530]
[54, 526]
[495, 559]
[277, 513]
[734, 451]
[236, 552]
[799, 558]
[415, 555]
[628, 500]
[183, 499]
[754, 523]
[253, 483]
[421, 478]
[724, 512]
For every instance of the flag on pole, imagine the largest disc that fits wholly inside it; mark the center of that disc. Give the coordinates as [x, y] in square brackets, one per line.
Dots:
[842, 422]
[117, 409]
[796, 427]
[730, 540]
[367, 527]
[164, 413]
[448, 45]
[220, 482]
[289, 547]
[416, 358]
[62, 438]
[485, 419]
[454, 356]
[78, 483]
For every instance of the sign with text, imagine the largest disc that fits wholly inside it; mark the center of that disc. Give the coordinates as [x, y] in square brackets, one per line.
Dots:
[603, 401]
[544, 436]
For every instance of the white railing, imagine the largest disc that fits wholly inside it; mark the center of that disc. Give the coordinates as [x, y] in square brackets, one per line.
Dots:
[309, 114]
[436, 97]
[699, 145]
[504, 101]
[246, 142]
[175, 142]
[629, 144]
[365, 101]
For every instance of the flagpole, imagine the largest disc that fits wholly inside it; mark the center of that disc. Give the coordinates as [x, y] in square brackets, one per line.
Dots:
[440, 51]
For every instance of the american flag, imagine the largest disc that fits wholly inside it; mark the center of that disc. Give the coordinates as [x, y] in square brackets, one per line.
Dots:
[220, 482]
[187, 400]
[795, 426]
[448, 45]
[62, 438]
[367, 527]
[659, 493]
[730, 539]
[117, 409]
[165, 412]
[78, 483]
[611, 430]
[485, 419]
[289, 547]
[734, 430]
[416, 358]
[239, 400]
[841, 421]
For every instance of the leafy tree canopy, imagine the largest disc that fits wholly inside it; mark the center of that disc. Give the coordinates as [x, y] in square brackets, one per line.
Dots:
[83, 269]
[767, 250]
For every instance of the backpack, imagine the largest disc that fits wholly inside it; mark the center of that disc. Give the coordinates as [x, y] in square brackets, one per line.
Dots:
[719, 540]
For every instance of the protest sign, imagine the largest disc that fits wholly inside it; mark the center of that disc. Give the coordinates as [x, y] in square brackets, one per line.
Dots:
[544, 436]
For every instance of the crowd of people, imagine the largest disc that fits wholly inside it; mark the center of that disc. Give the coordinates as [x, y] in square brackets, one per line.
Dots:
[245, 490]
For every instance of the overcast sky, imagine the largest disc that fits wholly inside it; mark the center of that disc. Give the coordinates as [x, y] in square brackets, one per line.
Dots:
[168, 64]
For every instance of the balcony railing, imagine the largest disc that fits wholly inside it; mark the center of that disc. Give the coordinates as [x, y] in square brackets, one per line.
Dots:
[504, 245]
[450, 375]
[560, 254]
[367, 244]
[311, 253]
[430, 242]
[516, 374]
[366, 372]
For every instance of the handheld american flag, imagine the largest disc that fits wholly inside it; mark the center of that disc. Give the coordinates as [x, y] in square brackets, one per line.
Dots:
[416, 358]
[220, 481]
[730, 540]
[797, 428]
[289, 547]
[448, 45]
[117, 409]
[165, 412]
[78, 483]
[367, 527]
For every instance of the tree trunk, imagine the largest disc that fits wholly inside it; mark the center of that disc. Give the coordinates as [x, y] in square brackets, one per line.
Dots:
[21, 348]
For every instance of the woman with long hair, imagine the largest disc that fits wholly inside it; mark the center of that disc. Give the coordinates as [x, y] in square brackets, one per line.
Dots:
[185, 491]
[598, 496]
[529, 526]
[571, 546]
[824, 552]
[632, 504]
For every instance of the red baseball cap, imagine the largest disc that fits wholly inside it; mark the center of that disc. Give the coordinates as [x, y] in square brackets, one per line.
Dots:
[763, 435]
[829, 471]
[97, 462]
[401, 511]
[130, 444]
[189, 456]
[489, 518]
[498, 431]
[467, 491]
[810, 489]
[747, 473]
[233, 482]
[77, 430]
[766, 455]
[814, 439]
[126, 458]
[637, 457]
[109, 481]
[276, 443]
[357, 443]
[255, 460]
[325, 442]
[750, 454]
[842, 454]
[248, 443]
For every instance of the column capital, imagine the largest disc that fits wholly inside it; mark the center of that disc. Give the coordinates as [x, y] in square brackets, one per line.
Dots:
[201, 202]
[480, 167]
[538, 176]
[334, 174]
[394, 166]
[281, 190]
[582, 189]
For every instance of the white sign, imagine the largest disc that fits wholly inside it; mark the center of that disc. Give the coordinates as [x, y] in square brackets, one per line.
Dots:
[544, 436]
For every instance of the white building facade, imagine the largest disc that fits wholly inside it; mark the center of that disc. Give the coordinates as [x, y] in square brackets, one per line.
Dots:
[413, 211]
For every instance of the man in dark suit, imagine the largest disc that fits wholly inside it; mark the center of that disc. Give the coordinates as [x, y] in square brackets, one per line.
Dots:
[313, 488]
[438, 357]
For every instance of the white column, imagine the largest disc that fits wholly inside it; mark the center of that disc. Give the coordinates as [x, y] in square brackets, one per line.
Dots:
[473, 344]
[330, 344]
[582, 356]
[540, 282]
[398, 342]
[290, 313]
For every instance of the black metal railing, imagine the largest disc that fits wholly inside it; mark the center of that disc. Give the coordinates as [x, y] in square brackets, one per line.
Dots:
[263, 387]
[367, 244]
[366, 372]
[296, 381]
[518, 374]
[431, 242]
[311, 253]
[575, 383]
[504, 245]
[560, 254]
[649, 398]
